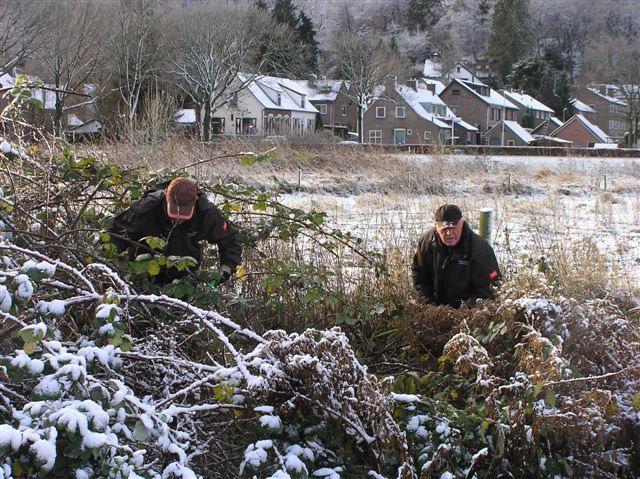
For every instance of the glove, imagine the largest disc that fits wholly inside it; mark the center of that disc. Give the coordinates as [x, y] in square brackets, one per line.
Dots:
[225, 274]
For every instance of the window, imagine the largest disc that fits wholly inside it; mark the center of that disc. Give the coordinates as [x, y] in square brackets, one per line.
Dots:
[427, 135]
[590, 145]
[375, 136]
[343, 110]
[381, 112]
[454, 109]
[400, 112]
[455, 92]
[511, 143]
[592, 106]
[322, 109]
[302, 101]
[409, 132]
[457, 69]
[279, 99]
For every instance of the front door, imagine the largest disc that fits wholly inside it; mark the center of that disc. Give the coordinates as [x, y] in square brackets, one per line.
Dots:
[400, 137]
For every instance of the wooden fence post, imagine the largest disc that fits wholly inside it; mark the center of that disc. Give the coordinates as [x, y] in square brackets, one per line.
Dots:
[484, 224]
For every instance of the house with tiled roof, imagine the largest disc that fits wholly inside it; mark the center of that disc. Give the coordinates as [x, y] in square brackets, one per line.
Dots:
[610, 112]
[528, 105]
[507, 133]
[581, 132]
[406, 114]
[546, 127]
[478, 104]
[266, 105]
[585, 110]
[334, 101]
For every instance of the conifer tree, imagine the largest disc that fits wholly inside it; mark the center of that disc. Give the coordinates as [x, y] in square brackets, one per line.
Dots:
[512, 34]
[307, 35]
[422, 14]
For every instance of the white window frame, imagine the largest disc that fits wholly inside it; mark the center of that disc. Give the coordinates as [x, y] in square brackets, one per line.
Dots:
[511, 143]
[384, 111]
[322, 108]
[409, 132]
[343, 110]
[401, 109]
[427, 135]
[375, 135]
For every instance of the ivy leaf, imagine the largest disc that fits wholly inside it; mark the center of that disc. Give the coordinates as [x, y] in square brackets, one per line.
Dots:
[30, 347]
[140, 432]
[248, 160]
[635, 402]
[153, 268]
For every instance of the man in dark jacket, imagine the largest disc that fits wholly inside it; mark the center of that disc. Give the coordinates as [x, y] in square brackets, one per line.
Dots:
[452, 263]
[184, 217]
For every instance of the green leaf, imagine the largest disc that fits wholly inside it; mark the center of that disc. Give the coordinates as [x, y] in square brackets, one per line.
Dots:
[140, 432]
[153, 268]
[30, 347]
[550, 398]
[105, 237]
[248, 160]
[538, 388]
[155, 242]
[635, 402]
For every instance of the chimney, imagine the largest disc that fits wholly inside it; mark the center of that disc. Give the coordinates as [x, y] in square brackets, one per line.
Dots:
[431, 87]
[413, 83]
[312, 79]
[389, 83]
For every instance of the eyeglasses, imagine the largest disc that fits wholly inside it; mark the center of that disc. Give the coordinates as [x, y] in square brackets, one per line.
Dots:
[447, 224]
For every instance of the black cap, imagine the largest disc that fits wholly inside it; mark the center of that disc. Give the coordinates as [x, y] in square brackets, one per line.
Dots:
[448, 214]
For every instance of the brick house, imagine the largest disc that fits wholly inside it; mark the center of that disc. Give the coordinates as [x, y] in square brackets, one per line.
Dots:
[585, 110]
[546, 127]
[528, 105]
[478, 105]
[507, 133]
[581, 132]
[406, 114]
[610, 112]
[337, 111]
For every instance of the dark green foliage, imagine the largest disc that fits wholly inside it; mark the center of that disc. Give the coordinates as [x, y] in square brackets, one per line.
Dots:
[528, 120]
[512, 35]
[422, 14]
[535, 77]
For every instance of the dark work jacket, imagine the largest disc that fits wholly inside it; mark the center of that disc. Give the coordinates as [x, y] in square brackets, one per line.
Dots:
[148, 217]
[451, 275]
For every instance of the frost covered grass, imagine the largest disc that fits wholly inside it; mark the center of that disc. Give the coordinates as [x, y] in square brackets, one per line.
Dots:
[315, 361]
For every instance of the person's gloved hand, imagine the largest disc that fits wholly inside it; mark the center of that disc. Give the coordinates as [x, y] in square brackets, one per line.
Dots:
[225, 274]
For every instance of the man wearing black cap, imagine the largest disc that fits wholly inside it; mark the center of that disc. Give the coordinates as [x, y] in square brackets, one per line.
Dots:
[452, 263]
[183, 217]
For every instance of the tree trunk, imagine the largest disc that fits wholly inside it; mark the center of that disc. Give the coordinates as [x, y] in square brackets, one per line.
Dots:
[206, 127]
[360, 121]
[57, 116]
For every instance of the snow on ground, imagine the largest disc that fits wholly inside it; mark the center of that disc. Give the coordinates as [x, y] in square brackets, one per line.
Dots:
[525, 224]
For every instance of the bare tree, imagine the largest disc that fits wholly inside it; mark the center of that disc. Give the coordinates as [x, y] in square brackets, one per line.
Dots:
[209, 45]
[20, 23]
[616, 60]
[135, 46]
[364, 61]
[73, 46]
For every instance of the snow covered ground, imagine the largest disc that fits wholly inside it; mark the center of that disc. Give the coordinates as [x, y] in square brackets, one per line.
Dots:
[566, 211]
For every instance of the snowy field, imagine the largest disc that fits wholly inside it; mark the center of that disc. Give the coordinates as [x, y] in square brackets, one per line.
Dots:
[567, 206]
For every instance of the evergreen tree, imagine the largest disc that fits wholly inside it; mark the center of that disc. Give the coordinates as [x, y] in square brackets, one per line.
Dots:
[284, 11]
[512, 34]
[422, 14]
[563, 104]
[528, 120]
[307, 35]
[261, 5]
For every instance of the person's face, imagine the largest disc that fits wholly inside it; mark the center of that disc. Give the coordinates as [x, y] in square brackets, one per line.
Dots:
[450, 235]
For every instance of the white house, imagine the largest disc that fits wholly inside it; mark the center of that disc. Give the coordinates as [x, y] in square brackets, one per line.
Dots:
[267, 105]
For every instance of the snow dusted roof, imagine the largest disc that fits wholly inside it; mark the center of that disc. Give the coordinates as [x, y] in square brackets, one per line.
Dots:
[438, 84]
[601, 135]
[556, 121]
[321, 90]
[432, 69]
[519, 131]
[73, 120]
[610, 99]
[582, 107]
[465, 125]
[527, 101]
[185, 116]
[266, 89]
[494, 97]
[415, 99]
